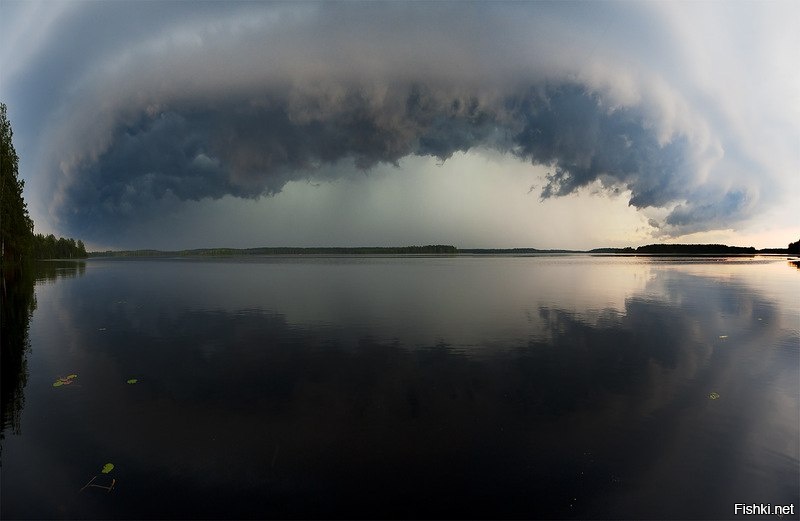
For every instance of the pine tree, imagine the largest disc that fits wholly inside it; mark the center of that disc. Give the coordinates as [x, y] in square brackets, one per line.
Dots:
[16, 226]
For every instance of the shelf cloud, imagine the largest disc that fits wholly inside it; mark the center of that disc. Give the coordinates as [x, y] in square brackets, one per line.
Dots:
[146, 105]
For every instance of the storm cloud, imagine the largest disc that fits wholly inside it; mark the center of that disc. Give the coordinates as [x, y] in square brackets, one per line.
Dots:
[202, 101]
[249, 149]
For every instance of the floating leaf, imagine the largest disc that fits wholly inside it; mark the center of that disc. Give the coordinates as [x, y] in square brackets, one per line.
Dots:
[132, 381]
[714, 396]
[108, 467]
[65, 380]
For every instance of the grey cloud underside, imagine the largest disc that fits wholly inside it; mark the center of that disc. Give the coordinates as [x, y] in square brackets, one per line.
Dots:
[253, 145]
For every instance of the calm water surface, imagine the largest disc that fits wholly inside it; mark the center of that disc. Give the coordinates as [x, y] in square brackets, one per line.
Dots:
[410, 387]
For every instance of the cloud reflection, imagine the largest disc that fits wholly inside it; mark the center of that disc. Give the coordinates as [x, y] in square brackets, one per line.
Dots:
[600, 413]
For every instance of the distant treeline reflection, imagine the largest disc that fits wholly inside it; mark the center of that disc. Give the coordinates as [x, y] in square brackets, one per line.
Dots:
[17, 304]
[52, 270]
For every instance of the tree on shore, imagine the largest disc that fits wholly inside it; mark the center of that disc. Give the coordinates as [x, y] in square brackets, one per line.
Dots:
[17, 241]
[16, 226]
[51, 248]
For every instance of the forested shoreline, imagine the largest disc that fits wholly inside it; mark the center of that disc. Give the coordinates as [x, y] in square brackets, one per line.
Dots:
[62, 248]
[18, 244]
[440, 249]
[431, 249]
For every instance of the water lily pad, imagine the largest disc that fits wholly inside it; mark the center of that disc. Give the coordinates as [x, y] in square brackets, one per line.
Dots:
[713, 396]
[132, 381]
[66, 380]
[108, 467]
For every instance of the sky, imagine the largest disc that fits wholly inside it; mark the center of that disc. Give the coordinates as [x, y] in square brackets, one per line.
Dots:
[573, 125]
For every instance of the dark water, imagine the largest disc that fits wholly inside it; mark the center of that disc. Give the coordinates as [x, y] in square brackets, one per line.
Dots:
[461, 387]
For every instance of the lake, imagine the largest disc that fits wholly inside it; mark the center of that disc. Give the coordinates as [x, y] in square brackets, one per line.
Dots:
[565, 386]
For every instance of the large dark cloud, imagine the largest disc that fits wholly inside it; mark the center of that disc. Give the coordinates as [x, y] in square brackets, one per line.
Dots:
[252, 146]
[134, 107]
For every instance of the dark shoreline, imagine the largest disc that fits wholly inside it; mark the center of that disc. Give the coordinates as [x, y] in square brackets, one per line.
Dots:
[348, 252]
[440, 249]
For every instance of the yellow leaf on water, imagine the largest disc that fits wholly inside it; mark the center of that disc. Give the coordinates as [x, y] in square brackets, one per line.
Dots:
[66, 380]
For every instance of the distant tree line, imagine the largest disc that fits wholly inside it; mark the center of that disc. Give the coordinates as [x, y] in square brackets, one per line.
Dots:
[512, 251]
[368, 250]
[698, 249]
[436, 249]
[694, 249]
[627, 250]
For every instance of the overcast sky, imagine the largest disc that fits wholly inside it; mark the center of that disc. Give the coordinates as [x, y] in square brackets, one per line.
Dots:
[526, 124]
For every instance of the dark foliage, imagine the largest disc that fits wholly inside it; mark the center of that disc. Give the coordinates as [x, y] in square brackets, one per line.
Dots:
[695, 249]
[51, 248]
[377, 250]
[17, 241]
[16, 226]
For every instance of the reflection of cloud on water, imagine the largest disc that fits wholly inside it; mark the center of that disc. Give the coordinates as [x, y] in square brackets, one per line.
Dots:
[250, 403]
[467, 301]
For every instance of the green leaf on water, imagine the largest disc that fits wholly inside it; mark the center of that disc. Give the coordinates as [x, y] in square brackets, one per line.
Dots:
[132, 381]
[66, 380]
[108, 467]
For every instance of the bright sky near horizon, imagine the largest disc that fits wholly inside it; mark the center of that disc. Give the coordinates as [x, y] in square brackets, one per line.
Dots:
[488, 124]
